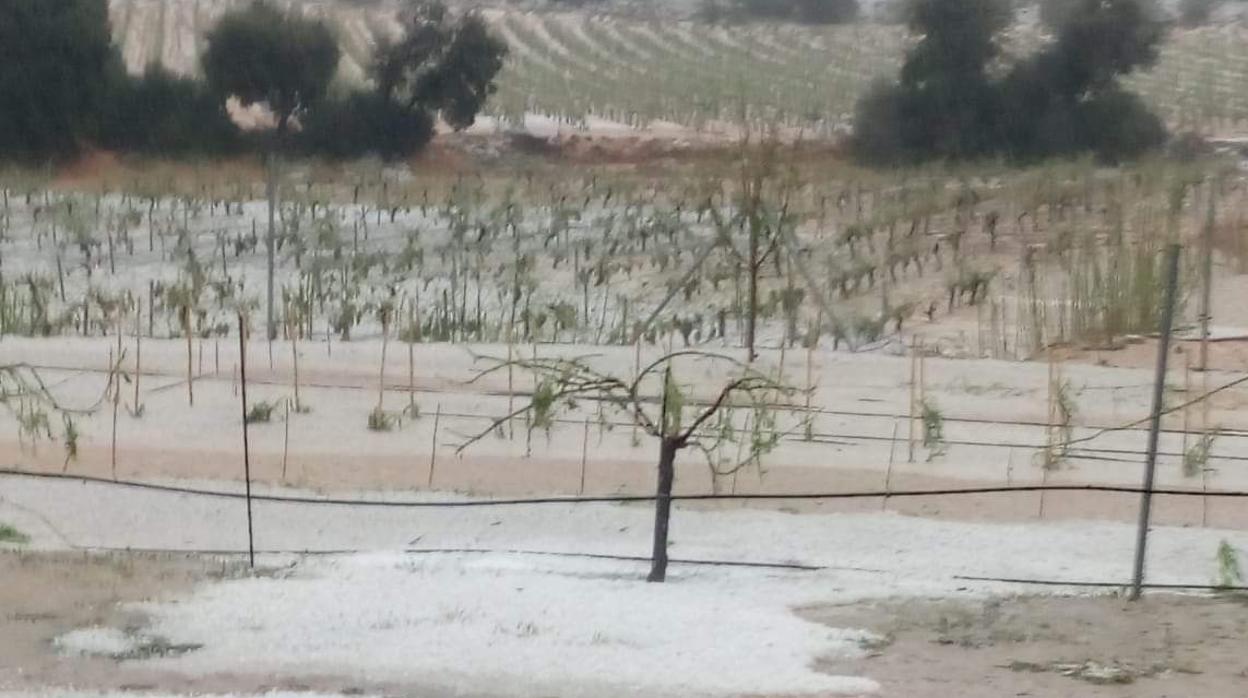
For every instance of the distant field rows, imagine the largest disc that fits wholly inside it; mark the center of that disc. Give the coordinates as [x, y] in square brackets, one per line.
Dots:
[577, 67]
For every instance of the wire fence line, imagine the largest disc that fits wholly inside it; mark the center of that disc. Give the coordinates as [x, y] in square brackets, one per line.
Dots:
[619, 499]
[365, 385]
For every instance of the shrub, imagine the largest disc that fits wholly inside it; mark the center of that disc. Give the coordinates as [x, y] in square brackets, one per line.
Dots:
[260, 412]
[380, 420]
[366, 124]
[1229, 572]
[9, 534]
[160, 113]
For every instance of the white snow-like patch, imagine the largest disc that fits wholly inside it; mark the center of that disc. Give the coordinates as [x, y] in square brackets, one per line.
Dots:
[98, 642]
[520, 625]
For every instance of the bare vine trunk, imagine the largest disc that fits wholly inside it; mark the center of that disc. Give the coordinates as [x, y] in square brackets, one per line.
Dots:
[663, 509]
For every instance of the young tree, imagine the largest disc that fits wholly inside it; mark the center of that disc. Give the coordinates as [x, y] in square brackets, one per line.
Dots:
[762, 216]
[261, 55]
[676, 422]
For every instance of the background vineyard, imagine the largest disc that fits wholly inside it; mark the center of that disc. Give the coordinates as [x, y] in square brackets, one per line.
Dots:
[579, 70]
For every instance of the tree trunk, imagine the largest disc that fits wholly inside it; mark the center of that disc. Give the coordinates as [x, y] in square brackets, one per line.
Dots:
[751, 320]
[663, 509]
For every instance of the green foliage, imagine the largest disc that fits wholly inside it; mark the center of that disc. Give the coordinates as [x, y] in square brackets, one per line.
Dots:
[442, 64]
[933, 429]
[944, 103]
[1230, 574]
[1066, 97]
[380, 420]
[261, 412]
[71, 438]
[260, 54]
[54, 62]
[1114, 290]
[363, 124]
[1066, 411]
[1197, 455]
[9, 534]
[543, 405]
[162, 114]
[673, 405]
[1063, 99]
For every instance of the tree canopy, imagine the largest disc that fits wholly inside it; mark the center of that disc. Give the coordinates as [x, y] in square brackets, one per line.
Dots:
[54, 63]
[954, 101]
[263, 55]
[64, 87]
[441, 64]
[944, 104]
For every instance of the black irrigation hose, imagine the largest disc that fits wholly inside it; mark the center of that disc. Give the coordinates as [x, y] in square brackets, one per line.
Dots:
[466, 504]
[678, 561]
[625, 558]
[1101, 585]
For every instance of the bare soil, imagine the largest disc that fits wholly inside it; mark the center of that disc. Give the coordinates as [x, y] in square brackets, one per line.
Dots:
[1093, 647]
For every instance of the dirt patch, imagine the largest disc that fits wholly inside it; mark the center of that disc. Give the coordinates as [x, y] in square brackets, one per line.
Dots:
[1049, 646]
[47, 595]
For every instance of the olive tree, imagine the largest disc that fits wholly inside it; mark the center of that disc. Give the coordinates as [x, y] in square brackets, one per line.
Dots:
[442, 64]
[261, 55]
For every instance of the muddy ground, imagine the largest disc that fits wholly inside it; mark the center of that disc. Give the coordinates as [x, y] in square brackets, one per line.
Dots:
[1164, 646]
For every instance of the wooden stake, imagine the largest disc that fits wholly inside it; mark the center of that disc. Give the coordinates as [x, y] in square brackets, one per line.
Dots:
[138, 352]
[151, 308]
[584, 456]
[810, 388]
[888, 474]
[914, 370]
[294, 359]
[433, 449]
[286, 440]
[1187, 397]
[511, 393]
[636, 376]
[1204, 430]
[190, 377]
[115, 381]
[381, 372]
